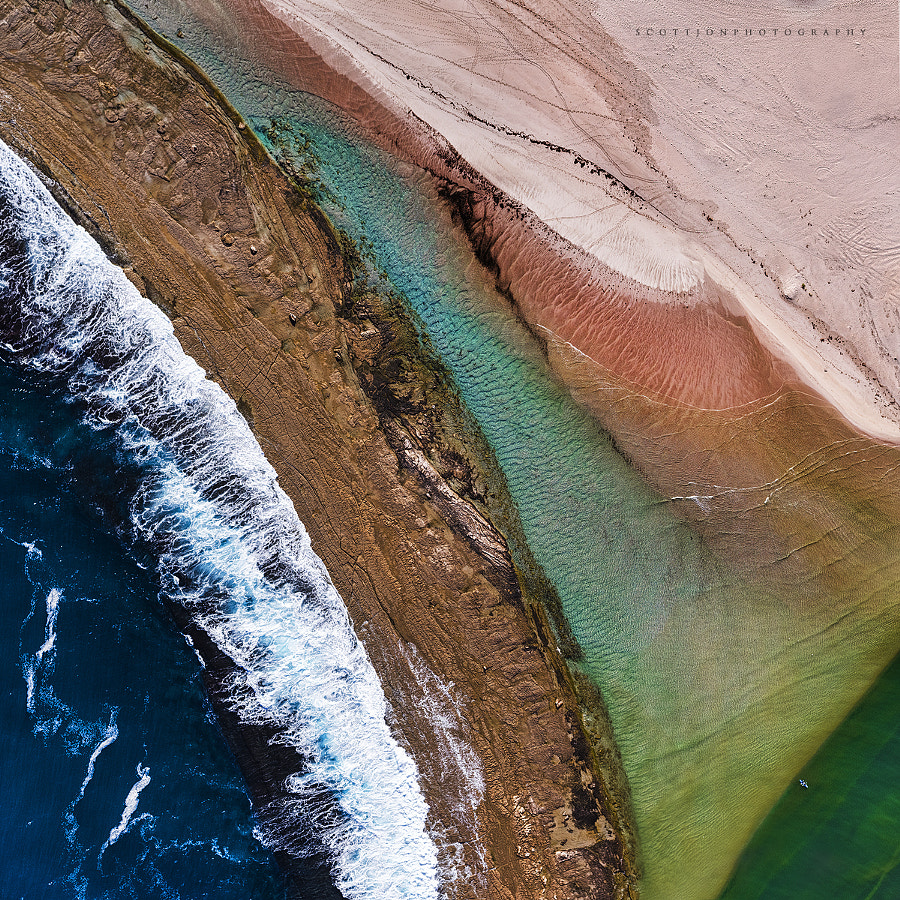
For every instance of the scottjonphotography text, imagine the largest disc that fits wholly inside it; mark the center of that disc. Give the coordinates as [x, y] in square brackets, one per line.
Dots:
[793, 31]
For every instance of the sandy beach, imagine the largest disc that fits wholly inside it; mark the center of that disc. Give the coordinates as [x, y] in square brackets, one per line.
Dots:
[749, 168]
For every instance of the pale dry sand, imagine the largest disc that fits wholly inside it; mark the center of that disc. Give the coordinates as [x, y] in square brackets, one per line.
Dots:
[764, 167]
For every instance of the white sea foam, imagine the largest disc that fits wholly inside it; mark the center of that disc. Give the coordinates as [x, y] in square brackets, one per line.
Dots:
[456, 767]
[112, 732]
[232, 552]
[51, 716]
[38, 667]
[52, 603]
[109, 736]
[131, 805]
[195, 651]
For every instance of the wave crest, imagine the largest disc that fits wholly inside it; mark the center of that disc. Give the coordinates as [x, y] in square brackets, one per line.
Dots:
[231, 550]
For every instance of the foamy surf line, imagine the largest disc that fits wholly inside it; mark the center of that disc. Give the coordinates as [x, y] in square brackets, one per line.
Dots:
[232, 552]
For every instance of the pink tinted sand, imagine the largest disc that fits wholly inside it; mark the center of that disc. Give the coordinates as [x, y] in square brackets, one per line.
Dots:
[686, 213]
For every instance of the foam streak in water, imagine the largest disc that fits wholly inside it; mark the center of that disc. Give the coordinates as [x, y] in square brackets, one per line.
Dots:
[50, 628]
[112, 732]
[69, 821]
[231, 549]
[38, 667]
[131, 805]
[457, 769]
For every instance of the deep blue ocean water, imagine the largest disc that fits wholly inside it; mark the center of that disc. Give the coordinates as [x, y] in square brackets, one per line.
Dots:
[102, 698]
[133, 488]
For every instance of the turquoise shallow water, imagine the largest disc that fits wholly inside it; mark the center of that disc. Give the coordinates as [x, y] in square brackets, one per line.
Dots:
[667, 635]
[719, 692]
[564, 473]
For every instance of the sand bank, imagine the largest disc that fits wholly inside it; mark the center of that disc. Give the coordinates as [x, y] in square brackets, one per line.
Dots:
[750, 171]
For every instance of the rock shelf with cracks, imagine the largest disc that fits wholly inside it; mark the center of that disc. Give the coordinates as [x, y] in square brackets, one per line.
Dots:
[180, 194]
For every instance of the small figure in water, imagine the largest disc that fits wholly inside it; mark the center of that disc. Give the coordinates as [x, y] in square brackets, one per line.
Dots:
[804, 784]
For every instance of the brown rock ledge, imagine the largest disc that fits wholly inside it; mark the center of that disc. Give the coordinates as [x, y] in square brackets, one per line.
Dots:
[149, 157]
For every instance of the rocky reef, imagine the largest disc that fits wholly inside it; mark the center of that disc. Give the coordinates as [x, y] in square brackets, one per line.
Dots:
[385, 468]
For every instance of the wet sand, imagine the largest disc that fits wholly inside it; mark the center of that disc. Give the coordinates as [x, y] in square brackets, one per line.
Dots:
[562, 111]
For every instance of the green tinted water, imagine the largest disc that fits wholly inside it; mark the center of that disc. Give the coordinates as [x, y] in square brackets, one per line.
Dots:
[841, 836]
[719, 692]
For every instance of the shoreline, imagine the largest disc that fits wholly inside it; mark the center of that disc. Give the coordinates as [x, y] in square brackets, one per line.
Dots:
[703, 260]
[803, 347]
[542, 753]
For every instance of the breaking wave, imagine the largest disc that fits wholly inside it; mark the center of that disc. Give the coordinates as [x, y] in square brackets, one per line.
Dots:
[231, 551]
